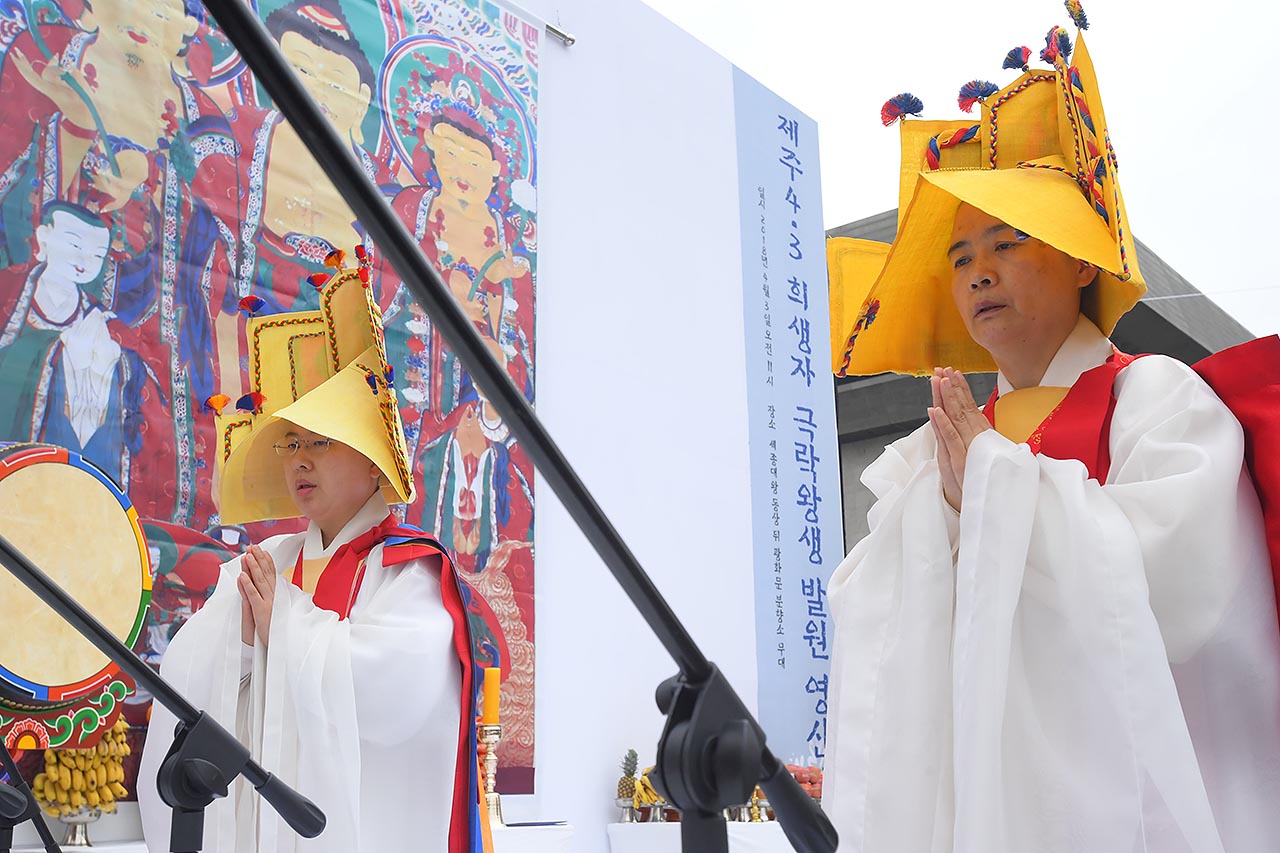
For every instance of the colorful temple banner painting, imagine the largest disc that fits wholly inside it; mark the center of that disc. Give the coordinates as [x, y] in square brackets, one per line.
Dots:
[148, 185]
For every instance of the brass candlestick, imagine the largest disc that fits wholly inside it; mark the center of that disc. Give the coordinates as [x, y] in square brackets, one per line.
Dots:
[489, 736]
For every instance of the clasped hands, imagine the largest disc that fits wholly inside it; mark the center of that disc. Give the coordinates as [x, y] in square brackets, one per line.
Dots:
[956, 421]
[257, 583]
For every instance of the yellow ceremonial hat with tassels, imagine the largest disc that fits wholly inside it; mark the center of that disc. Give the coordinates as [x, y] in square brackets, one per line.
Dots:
[325, 371]
[1040, 160]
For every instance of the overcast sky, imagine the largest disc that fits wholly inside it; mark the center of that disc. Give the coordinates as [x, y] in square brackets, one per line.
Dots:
[1189, 91]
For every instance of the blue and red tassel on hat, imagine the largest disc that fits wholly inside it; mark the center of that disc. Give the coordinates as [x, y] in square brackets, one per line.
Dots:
[898, 106]
[251, 402]
[1076, 11]
[1056, 44]
[251, 305]
[974, 91]
[1018, 59]
[318, 280]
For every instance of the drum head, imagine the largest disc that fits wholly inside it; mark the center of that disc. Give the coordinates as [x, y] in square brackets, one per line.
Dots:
[74, 524]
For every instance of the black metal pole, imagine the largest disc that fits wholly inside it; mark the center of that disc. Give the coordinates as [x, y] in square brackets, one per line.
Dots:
[299, 812]
[809, 829]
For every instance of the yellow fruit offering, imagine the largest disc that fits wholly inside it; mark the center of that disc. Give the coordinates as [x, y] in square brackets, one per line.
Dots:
[76, 779]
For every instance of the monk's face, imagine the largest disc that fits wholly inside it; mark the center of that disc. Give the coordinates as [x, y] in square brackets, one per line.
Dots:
[1011, 289]
[329, 483]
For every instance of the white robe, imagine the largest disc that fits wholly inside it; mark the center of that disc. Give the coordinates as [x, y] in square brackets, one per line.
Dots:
[1064, 666]
[359, 715]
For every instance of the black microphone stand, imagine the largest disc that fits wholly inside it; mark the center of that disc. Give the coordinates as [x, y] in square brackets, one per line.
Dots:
[712, 752]
[205, 758]
[18, 805]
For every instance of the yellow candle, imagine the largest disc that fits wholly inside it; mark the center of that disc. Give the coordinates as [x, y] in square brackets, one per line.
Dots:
[492, 681]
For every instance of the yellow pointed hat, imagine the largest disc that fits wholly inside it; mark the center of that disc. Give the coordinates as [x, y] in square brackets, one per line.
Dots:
[325, 371]
[1040, 159]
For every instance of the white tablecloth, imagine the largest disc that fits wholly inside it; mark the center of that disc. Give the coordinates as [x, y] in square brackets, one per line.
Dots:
[665, 838]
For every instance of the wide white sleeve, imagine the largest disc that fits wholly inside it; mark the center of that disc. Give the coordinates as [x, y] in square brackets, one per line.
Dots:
[892, 600]
[360, 712]
[1028, 701]
[1074, 597]
[204, 664]
[396, 634]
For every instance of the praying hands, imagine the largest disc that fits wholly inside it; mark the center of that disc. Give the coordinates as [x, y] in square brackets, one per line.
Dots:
[257, 584]
[956, 421]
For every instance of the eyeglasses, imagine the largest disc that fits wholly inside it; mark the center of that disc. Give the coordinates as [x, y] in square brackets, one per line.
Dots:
[293, 445]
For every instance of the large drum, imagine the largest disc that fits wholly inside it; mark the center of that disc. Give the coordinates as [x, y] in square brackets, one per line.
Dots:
[76, 525]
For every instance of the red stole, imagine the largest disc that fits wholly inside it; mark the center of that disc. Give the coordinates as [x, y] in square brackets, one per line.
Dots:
[336, 591]
[1080, 427]
[339, 583]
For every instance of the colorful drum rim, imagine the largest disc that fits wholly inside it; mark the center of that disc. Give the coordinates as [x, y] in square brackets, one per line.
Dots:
[17, 456]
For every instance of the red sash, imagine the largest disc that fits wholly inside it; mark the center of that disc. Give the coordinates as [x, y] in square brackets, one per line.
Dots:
[1080, 426]
[339, 583]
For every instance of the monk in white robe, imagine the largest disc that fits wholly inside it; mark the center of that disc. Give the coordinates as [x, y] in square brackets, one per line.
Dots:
[359, 714]
[1029, 658]
[1060, 633]
[342, 657]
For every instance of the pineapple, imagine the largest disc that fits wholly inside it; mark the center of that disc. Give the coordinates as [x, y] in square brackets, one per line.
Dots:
[627, 784]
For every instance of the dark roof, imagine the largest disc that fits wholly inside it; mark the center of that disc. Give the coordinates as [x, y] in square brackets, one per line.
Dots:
[882, 227]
